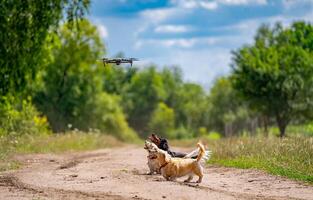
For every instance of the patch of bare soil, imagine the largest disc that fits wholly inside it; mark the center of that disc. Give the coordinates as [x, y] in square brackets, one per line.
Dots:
[120, 173]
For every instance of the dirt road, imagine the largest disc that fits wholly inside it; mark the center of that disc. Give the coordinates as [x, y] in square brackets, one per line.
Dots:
[119, 173]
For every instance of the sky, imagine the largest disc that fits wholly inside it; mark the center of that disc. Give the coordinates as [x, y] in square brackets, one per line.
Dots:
[197, 35]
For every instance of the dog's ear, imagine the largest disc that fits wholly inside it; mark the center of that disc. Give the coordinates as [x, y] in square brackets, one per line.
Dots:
[150, 138]
[155, 137]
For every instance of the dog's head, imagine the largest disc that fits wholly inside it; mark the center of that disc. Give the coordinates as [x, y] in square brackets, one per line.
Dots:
[155, 139]
[164, 144]
[150, 147]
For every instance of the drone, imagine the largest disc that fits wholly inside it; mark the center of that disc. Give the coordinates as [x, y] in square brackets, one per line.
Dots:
[118, 61]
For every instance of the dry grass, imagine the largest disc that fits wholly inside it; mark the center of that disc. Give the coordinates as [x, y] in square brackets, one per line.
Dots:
[289, 157]
[57, 143]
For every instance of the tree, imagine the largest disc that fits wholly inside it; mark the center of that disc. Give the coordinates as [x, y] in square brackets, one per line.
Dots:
[228, 114]
[141, 96]
[192, 106]
[275, 74]
[72, 95]
[24, 26]
[162, 120]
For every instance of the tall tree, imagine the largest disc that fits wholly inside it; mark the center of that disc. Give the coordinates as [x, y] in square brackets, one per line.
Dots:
[227, 113]
[72, 95]
[141, 96]
[275, 74]
[24, 26]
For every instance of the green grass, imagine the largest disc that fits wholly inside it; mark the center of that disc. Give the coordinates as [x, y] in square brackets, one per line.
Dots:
[290, 157]
[57, 143]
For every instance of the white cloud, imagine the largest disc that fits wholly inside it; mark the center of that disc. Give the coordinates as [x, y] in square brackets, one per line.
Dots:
[158, 15]
[213, 4]
[180, 43]
[184, 43]
[242, 2]
[201, 66]
[103, 31]
[191, 4]
[171, 29]
[209, 5]
[289, 4]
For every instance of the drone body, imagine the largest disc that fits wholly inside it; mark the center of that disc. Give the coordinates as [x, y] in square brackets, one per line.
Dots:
[118, 61]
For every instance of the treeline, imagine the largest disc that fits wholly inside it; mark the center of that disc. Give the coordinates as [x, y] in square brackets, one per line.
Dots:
[52, 79]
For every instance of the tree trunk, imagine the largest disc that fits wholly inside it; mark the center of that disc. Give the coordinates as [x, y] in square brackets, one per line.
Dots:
[265, 125]
[282, 124]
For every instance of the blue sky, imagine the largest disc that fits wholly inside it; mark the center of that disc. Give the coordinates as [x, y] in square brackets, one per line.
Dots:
[197, 35]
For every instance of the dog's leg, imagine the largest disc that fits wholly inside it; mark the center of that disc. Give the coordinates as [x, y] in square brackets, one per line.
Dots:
[200, 179]
[199, 172]
[149, 173]
[172, 178]
[189, 178]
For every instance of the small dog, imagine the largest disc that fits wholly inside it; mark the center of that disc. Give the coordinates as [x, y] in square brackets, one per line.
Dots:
[153, 163]
[162, 143]
[172, 168]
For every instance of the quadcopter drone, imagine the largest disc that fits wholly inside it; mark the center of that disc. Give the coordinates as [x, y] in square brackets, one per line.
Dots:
[118, 61]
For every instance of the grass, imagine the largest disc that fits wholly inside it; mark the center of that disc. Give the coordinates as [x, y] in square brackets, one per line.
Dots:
[56, 143]
[289, 157]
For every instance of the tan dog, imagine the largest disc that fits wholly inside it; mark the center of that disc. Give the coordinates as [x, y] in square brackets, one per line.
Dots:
[152, 163]
[172, 168]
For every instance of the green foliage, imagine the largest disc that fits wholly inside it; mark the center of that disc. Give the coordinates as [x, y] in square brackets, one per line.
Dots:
[162, 120]
[72, 94]
[19, 118]
[69, 81]
[182, 132]
[275, 74]
[141, 96]
[213, 136]
[24, 26]
[105, 113]
[192, 106]
[227, 110]
[149, 88]
[116, 78]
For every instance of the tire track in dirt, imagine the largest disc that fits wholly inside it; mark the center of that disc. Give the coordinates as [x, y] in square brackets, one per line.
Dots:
[119, 173]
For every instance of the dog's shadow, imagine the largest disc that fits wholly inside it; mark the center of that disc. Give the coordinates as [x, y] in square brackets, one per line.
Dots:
[159, 178]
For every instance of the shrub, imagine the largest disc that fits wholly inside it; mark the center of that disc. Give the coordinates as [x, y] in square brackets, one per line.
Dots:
[20, 118]
[162, 120]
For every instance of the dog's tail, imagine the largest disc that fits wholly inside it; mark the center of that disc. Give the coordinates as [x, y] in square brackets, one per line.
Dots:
[195, 153]
[201, 152]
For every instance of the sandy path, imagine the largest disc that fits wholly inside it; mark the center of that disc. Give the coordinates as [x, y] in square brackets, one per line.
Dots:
[120, 174]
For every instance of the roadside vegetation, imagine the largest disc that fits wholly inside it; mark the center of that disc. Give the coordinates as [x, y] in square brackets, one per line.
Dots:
[52, 143]
[291, 157]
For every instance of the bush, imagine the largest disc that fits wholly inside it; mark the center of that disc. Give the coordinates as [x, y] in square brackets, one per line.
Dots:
[181, 133]
[162, 120]
[22, 118]
[213, 136]
[104, 113]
